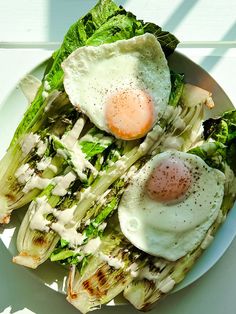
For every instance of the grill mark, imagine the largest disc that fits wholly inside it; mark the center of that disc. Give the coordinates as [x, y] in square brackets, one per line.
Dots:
[40, 241]
[152, 285]
[101, 277]
[11, 197]
[92, 291]
[119, 277]
[146, 307]
[87, 286]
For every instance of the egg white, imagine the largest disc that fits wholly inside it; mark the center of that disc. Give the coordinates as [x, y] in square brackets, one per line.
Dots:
[93, 74]
[171, 230]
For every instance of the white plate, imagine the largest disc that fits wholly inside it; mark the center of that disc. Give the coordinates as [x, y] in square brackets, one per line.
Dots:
[53, 275]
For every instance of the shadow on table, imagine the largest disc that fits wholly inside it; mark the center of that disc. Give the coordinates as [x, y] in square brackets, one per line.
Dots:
[210, 62]
[179, 14]
[21, 291]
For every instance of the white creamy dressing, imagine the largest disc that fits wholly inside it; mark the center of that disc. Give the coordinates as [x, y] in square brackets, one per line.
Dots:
[133, 269]
[146, 273]
[86, 194]
[150, 139]
[166, 285]
[47, 86]
[80, 162]
[102, 226]
[65, 216]
[128, 175]
[110, 163]
[102, 198]
[179, 123]
[29, 86]
[69, 139]
[92, 246]
[53, 168]
[78, 158]
[39, 211]
[101, 173]
[36, 182]
[87, 222]
[41, 148]
[168, 113]
[24, 173]
[173, 142]
[69, 234]
[61, 152]
[111, 261]
[101, 160]
[63, 183]
[95, 224]
[79, 258]
[44, 94]
[44, 163]
[29, 142]
[116, 153]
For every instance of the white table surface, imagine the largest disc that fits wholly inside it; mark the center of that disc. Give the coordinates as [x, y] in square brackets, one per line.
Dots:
[27, 23]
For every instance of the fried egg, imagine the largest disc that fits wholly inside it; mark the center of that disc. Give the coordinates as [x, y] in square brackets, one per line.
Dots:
[123, 87]
[170, 204]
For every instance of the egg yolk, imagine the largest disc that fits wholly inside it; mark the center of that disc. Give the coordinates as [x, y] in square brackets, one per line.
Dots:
[169, 181]
[129, 114]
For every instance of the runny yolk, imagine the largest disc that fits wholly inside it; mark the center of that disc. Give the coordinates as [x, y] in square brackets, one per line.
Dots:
[169, 181]
[129, 114]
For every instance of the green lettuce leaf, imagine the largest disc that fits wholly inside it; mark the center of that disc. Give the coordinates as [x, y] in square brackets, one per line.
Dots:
[213, 153]
[92, 149]
[167, 40]
[177, 86]
[223, 130]
[231, 156]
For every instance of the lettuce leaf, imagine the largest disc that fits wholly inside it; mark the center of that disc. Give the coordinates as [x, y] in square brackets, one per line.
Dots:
[167, 40]
[213, 153]
[177, 86]
[223, 130]
[92, 149]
